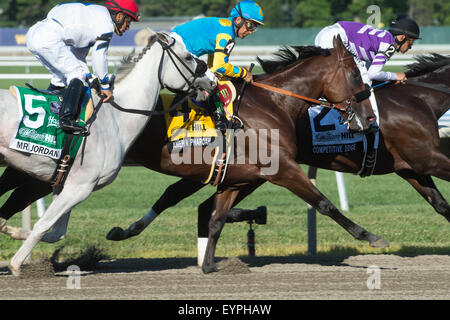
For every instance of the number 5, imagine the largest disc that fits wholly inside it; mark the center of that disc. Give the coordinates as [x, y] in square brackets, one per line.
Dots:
[39, 121]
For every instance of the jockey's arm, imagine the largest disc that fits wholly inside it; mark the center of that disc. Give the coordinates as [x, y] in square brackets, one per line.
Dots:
[220, 64]
[100, 64]
[375, 71]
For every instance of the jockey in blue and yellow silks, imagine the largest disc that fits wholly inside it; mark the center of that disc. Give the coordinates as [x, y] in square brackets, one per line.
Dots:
[215, 36]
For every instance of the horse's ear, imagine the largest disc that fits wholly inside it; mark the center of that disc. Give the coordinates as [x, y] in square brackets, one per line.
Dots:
[337, 42]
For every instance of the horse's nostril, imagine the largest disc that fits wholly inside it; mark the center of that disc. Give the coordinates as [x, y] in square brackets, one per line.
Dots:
[371, 119]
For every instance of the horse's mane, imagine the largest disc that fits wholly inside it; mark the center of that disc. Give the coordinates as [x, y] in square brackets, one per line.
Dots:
[425, 64]
[129, 61]
[288, 55]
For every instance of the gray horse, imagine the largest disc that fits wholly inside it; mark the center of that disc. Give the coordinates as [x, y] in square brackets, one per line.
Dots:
[163, 62]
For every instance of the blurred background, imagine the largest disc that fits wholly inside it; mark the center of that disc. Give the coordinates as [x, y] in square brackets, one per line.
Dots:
[287, 22]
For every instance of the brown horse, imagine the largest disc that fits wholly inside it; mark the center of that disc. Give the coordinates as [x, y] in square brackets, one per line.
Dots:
[315, 73]
[408, 146]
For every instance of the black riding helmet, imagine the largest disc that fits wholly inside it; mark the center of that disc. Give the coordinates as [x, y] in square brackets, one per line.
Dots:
[406, 26]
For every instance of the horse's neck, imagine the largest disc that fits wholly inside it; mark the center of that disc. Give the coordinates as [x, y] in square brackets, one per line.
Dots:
[138, 90]
[441, 79]
[439, 76]
[302, 78]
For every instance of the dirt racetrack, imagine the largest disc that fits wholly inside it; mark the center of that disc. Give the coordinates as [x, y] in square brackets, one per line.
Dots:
[249, 278]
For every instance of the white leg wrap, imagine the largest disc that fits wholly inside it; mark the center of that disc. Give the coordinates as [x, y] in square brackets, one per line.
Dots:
[201, 248]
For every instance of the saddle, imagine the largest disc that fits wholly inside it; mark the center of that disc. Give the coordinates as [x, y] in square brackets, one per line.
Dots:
[39, 132]
[330, 135]
[190, 125]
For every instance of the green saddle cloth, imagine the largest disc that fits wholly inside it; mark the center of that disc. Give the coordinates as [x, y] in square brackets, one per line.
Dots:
[38, 132]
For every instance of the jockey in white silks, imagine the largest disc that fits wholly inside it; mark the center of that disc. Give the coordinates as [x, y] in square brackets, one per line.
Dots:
[372, 47]
[62, 41]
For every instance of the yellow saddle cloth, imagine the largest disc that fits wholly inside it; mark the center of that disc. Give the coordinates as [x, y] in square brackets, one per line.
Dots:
[190, 125]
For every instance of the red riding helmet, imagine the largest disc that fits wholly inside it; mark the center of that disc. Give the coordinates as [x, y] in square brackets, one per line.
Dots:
[128, 7]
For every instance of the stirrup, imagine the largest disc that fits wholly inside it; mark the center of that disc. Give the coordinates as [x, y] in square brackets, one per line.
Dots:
[70, 126]
[220, 121]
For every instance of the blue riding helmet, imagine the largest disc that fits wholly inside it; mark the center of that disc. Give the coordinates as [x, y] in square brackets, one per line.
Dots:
[250, 10]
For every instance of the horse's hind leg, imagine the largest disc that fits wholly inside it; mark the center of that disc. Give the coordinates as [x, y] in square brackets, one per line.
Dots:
[425, 186]
[293, 178]
[23, 196]
[27, 190]
[171, 197]
[11, 179]
[441, 167]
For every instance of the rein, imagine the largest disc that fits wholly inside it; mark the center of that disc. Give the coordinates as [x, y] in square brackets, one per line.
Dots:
[171, 54]
[291, 94]
[416, 83]
[347, 108]
[146, 113]
[427, 85]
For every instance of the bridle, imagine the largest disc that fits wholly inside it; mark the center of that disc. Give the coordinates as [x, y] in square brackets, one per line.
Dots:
[167, 47]
[344, 107]
[199, 71]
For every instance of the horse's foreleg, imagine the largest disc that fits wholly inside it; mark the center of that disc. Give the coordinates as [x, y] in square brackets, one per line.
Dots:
[428, 190]
[223, 201]
[171, 197]
[233, 215]
[66, 200]
[293, 178]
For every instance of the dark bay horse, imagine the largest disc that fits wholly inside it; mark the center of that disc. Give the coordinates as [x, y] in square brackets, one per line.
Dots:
[408, 146]
[397, 103]
[315, 73]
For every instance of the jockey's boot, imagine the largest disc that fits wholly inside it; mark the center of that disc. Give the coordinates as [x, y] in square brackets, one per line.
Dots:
[56, 90]
[70, 109]
[218, 113]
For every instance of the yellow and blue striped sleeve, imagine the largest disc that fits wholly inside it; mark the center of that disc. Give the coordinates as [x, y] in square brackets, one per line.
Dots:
[221, 65]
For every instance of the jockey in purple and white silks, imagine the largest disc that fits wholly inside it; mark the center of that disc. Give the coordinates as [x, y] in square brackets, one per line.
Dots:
[372, 47]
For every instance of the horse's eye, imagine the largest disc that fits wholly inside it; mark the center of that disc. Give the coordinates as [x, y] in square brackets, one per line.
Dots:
[189, 57]
[356, 75]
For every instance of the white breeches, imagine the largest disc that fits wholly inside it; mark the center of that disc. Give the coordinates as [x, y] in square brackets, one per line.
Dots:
[62, 61]
[324, 39]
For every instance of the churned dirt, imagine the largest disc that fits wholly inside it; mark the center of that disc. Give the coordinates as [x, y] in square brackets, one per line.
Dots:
[247, 278]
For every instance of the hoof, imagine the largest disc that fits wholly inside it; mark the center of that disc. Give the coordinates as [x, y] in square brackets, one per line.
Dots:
[209, 268]
[380, 243]
[15, 271]
[136, 228]
[116, 234]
